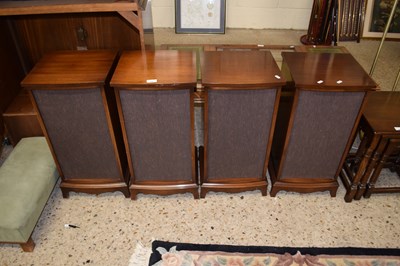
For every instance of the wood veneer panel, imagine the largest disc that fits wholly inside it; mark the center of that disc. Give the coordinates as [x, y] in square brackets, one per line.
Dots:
[46, 33]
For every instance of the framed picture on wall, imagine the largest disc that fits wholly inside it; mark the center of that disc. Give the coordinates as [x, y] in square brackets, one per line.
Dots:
[376, 16]
[200, 16]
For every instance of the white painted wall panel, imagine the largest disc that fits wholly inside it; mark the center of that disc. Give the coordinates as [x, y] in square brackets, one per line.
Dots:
[255, 14]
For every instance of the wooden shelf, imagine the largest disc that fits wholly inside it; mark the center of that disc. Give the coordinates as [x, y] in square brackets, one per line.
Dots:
[131, 11]
[10, 8]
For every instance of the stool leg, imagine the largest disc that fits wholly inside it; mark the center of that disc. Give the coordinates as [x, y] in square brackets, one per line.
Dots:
[28, 246]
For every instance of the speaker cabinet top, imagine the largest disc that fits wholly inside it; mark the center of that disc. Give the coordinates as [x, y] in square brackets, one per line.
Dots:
[382, 111]
[69, 68]
[155, 69]
[235, 68]
[327, 71]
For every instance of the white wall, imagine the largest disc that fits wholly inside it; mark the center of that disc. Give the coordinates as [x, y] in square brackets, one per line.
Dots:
[255, 14]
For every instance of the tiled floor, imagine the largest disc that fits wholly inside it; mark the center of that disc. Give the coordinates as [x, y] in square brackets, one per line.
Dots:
[111, 225]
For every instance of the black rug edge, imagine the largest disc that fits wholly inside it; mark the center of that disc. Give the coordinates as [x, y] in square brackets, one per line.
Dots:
[355, 251]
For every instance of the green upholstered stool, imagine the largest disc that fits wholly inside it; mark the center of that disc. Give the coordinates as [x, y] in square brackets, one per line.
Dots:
[27, 178]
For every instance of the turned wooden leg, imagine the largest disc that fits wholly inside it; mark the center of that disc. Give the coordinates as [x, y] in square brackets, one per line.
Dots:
[352, 190]
[374, 178]
[28, 246]
[371, 166]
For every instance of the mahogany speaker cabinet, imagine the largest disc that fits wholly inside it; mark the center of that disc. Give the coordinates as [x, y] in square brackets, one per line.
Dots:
[154, 91]
[78, 115]
[242, 90]
[330, 90]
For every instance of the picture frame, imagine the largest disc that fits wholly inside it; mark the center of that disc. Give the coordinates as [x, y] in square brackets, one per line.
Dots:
[376, 15]
[200, 16]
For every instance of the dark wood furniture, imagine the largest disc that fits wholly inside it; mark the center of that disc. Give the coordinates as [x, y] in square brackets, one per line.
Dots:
[329, 97]
[11, 72]
[80, 120]
[20, 119]
[380, 141]
[154, 91]
[242, 91]
[130, 11]
[30, 29]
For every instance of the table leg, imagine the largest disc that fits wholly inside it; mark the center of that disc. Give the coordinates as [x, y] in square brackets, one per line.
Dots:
[365, 142]
[351, 191]
[377, 155]
[393, 143]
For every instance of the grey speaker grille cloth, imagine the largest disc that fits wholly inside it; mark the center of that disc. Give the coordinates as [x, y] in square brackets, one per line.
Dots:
[77, 127]
[239, 123]
[158, 128]
[321, 129]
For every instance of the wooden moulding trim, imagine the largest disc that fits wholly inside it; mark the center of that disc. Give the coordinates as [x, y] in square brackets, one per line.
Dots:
[162, 187]
[154, 86]
[300, 180]
[81, 86]
[233, 87]
[109, 185]
[238, 180]
[235, 185]
[254, 46]
[304, 187]
[8, 8]
[335, 88]
[89, 181]
[131, 17]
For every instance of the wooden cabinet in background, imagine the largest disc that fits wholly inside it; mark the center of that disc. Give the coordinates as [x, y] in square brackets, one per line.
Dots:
[41, 34]
[30, 29]
[11, 72]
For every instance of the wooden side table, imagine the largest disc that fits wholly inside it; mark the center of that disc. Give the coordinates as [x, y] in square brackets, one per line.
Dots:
[329, 97]
[155, 97]
[380, 117]
[242, 91]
